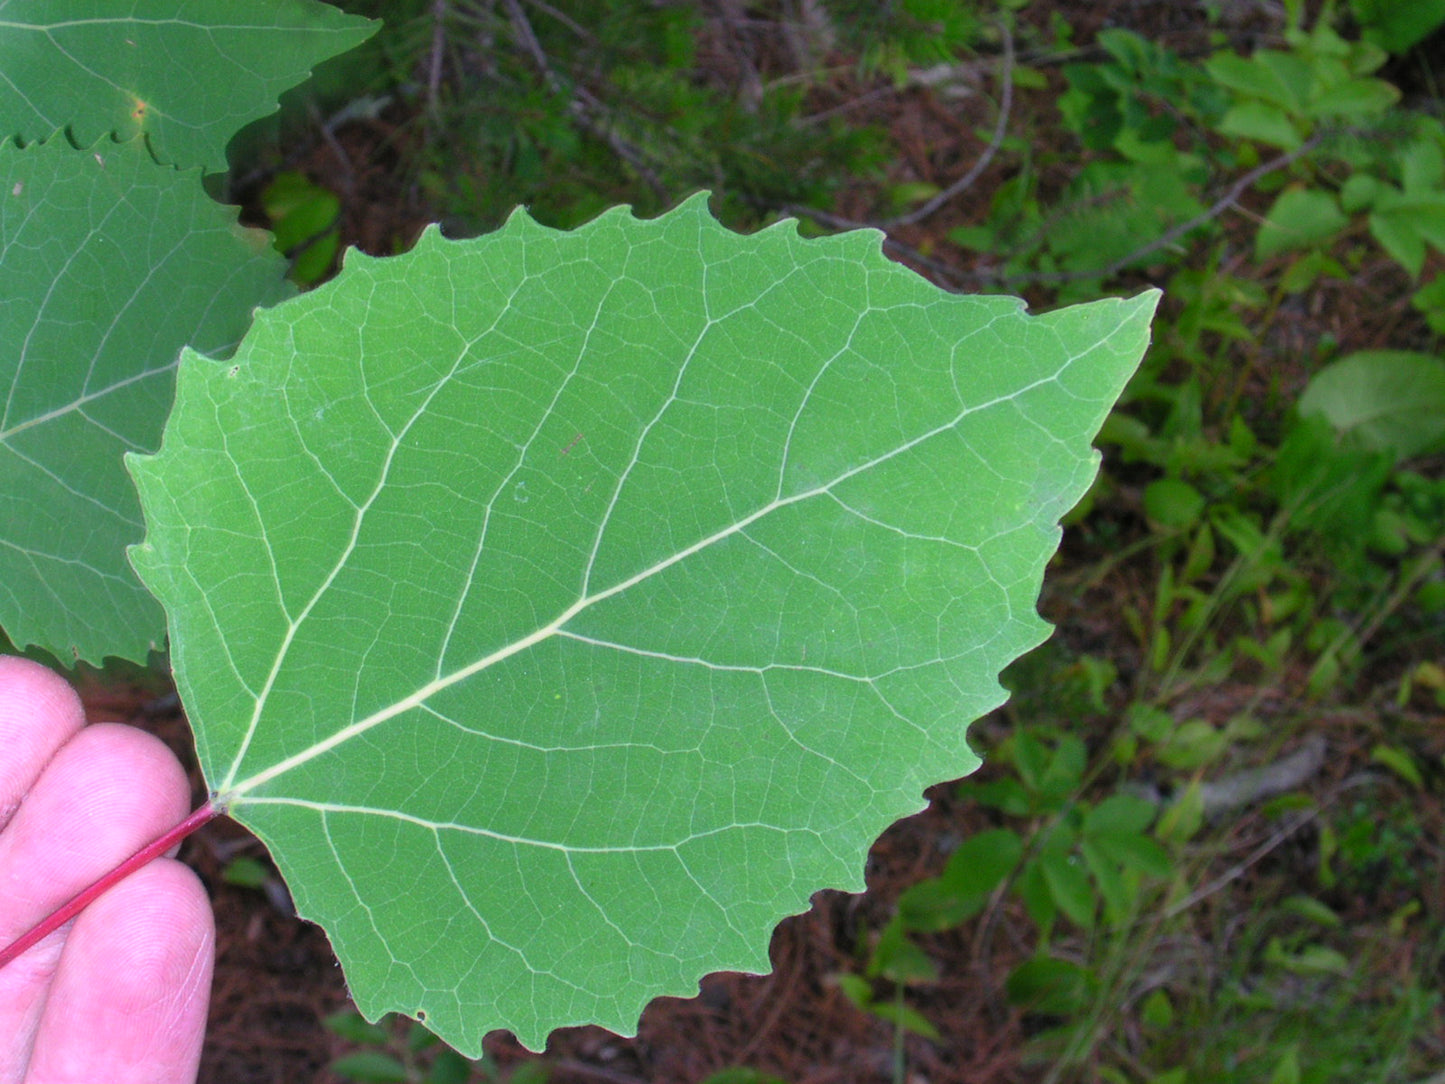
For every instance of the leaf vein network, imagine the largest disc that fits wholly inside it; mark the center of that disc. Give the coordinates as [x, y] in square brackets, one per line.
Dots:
[328, 809]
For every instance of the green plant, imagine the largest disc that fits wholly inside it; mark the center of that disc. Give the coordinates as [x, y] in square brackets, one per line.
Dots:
[1269, 527]
[572, 107]
[395, 1051]
[303, 218]
[562, 609]
[1088, 864]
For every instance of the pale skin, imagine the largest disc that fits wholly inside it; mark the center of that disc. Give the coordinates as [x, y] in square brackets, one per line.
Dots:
[120, 994]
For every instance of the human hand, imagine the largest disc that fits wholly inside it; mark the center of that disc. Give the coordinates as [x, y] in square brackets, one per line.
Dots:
[119, 994]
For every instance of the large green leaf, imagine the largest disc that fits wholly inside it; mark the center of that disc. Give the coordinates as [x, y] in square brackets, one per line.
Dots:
[187, 73]
[111, 264]
[563, 609]
[1390, 400]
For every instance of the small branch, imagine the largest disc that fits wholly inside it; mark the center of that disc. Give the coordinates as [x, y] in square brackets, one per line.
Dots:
[961, 278]
[1239, 869]
[566, 20]
[1364, 631]
[582, 104]
[1252, 785]
[79, 902]
[1169, 236]
[434, 63]
[950, 278]
[1000, 129]
[1289, 828]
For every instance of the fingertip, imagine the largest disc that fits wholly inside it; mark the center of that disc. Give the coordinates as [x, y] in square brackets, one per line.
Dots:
[39, 713]
[130, 996]
[115, 767]
[108, 792]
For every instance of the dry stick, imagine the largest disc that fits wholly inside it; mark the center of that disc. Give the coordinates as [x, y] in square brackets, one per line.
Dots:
[77, 903]
[957, 275]
[566, 20]
[1239, 869]
[434, 64]
[1169, 236]
[1000, 129]
[1365, 631]
[582, 102]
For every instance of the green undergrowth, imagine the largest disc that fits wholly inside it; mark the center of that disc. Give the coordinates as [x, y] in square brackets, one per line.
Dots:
[1263, 563]
[1260, 569]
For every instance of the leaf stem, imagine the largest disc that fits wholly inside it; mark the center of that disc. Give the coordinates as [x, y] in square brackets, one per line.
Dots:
[77, 903]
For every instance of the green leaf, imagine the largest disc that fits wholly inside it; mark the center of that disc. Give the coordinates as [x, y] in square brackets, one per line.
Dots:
[1119, 814]
[1286, 1069]
[979, 865]
[449, 1067]
[1398, 231]
[1282, 79]
[111, 264]
[351, 1027]
[1173, 503]
[1300, 218]
[1263, 123]
[303, 217]
[898, 959]
[1391, 400]
[742, 1076]
[1068, 883]
[856, 989]
[906, 1017]
[1112, 887]
[1397, 25]
[246, 873]
[1398, 761]
[1134, 853]
[1051, 986]
[370, 1067]
[564, 609]
[189, 76]
[1356, 99]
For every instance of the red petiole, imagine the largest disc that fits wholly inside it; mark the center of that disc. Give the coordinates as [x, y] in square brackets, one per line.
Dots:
[77, 903]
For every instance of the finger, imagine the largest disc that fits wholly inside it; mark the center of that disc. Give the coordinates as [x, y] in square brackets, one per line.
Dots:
[104, 795]
[128, 1005]
[39, 712]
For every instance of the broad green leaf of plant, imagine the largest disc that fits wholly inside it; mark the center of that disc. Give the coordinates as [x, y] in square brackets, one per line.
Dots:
[189, 75]
[563, 609]
[111, 264]
[1300, 218]
[1390, 400]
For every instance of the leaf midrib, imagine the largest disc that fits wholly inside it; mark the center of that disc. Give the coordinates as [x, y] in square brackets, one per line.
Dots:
[229, 794]
[81, 402]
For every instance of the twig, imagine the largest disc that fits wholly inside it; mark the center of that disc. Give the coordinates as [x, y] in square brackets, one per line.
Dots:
[328, 136]
[1169, 236]
[565, 19]
[1239, 869]
[434, 63]
[582, 104]
[951, 277]
[1000, 129]
[1253, 785]
[1242, 867]
[960, 278]
[1365, 631]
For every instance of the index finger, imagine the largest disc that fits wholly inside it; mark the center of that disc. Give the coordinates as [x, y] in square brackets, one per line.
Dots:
[39, 712]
